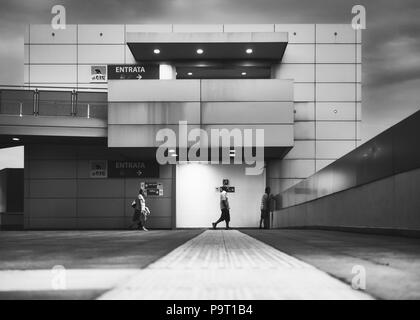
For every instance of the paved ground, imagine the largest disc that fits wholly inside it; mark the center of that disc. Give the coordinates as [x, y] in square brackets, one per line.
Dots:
[392, 264]
[230, 265]
[95, 261]
[215, 264]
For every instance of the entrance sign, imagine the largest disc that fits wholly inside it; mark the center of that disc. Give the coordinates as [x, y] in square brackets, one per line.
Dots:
[98, 169]
[132, 169]
[133, 71]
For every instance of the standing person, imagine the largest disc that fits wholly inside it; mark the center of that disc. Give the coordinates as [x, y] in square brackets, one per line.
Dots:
[265, 208]
[139, 216]
[224, 207]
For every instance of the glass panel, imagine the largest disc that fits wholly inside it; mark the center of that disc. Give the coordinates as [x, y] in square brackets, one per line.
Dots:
[92, 105]
[16, 102]
[54, 103]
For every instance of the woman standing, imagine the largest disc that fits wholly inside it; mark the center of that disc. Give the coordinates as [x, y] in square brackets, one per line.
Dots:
[140, 213]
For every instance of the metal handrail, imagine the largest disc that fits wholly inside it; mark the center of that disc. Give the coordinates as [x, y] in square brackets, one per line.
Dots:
[45, 107]
[53, 88]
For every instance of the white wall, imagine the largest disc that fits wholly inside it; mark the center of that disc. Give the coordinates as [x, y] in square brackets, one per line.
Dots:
[197, 201]
[324, 61]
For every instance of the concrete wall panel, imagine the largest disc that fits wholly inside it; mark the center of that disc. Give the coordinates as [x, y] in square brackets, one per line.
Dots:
[53, 54]
[100, 208]
[247, 112]
[342, 130]
[53, 73]
[298, 33]
[52, 208]
[304, 92]
[303, 149]
[53, 188]
[101, 34]
[336, 53]
[336, 72]
[335, 33]
[101, 54]
[154, 90]
[305, 130]
[304, 111]
[246, 90]
[336, 92]
[299, 53]
[100, 188]
[153, 112]
[336, 111]
[333, 149]
[45, 34]
[52, 169]
[298, 72]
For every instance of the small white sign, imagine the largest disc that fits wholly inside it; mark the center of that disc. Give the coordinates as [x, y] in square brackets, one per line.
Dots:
[98, 169]
[98, 74]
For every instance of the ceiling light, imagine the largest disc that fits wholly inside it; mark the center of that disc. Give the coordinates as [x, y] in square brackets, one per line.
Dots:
[249, 51]
[15, 139]
[156, 51]
[243, 73]
[200, 51]
[171, 150]
[189, 73]
[174, 155]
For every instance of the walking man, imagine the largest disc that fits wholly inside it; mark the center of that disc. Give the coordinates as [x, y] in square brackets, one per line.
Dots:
[224, 207]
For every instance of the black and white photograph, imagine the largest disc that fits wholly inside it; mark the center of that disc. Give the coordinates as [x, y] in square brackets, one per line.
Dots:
[209, 156]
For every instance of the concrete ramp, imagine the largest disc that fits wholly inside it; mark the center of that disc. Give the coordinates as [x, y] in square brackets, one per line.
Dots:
[219, 264]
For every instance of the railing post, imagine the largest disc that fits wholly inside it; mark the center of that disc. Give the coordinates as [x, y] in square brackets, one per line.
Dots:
[74, 103]
[36, 103]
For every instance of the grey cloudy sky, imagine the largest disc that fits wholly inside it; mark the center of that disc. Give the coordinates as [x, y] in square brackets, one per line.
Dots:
[391, 42]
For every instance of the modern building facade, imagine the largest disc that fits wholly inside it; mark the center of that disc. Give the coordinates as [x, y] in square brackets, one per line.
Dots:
[97, 95]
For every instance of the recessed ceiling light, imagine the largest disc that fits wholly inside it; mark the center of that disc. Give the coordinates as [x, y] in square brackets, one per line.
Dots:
[171, 150]
[189, 73]
[200, 51]
[156, 51]
[243, 73]
[249, 51]
[174, 155]
[15, 139]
